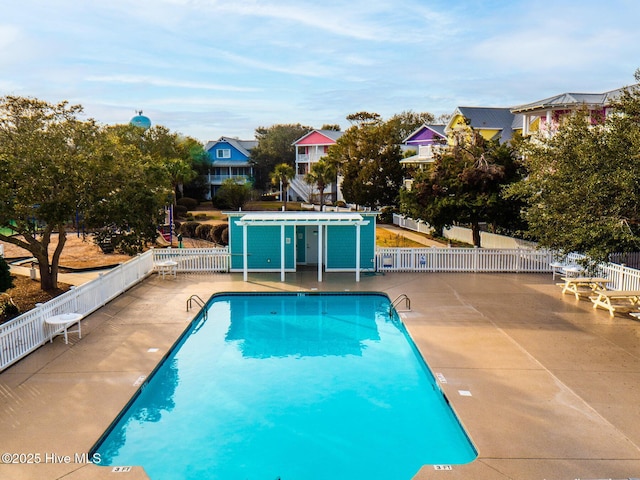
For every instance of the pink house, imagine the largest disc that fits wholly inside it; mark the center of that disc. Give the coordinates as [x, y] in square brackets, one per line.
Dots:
[309, 149]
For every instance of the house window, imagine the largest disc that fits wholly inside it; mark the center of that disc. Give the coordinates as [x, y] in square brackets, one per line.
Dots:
[223, 153]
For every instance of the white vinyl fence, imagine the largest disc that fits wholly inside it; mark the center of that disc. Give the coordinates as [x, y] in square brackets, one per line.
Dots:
[195, 260]
[23, 334]
[411, 224]
[620, 277]
[462, 234]
[462, 260]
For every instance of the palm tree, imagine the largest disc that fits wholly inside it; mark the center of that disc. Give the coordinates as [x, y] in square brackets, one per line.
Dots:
[282, 174]
[322, 174]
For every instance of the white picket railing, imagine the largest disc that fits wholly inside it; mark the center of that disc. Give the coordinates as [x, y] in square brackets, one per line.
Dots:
[23, 334]
[462, 260]
[195, 260]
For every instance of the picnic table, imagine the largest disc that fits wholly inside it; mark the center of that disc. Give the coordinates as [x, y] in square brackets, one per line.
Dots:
[583, 286]
[562, 268]
[616, 300]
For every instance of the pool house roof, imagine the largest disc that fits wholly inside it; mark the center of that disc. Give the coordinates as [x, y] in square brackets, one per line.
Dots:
[301, 218]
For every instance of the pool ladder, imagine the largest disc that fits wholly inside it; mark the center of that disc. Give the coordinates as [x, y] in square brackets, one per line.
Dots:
[195, 299]
[399, 298]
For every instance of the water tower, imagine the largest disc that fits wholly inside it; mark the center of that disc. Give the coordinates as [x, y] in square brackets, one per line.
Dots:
[141, 121]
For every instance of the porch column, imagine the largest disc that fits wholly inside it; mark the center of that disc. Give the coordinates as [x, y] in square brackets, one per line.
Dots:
[320, 252]
[282, 263]
[357, 252]
[245, 262]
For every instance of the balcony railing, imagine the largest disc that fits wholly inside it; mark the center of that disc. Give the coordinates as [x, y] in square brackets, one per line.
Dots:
[218, 179]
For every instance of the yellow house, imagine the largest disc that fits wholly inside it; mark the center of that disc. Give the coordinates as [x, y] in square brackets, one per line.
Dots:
[493, 123]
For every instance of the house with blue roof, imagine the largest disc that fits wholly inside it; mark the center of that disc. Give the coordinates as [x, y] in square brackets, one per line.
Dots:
[493, 123]
[229, 158]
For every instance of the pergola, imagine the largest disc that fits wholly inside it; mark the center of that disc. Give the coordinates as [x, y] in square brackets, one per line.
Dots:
[284, 219]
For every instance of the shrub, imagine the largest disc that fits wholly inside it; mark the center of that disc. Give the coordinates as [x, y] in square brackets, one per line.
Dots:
[6, 280]
[180, 210]
[224, 240]
[203, 231]
[269, 197]
[216, 233]
[188, 229]
[386, 215]
[190, 203]
[9, 309]
[341, 204]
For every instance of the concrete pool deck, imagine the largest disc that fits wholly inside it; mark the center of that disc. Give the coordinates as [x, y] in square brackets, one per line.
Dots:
[546, 387]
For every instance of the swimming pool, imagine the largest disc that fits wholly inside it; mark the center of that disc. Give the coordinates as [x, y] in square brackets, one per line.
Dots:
[309, 386]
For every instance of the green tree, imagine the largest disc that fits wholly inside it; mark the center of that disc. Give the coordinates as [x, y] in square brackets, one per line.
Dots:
[465, 185]
[179, 155]
[233, 194]
[275, 145]
[407, 122]
[582, 189]
[281, 176]
[127, 205]
[368, 158]
[6, 280]
[54, 165]
[322, 174]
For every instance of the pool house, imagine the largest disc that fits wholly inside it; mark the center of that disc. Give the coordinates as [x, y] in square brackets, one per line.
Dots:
[285, 241]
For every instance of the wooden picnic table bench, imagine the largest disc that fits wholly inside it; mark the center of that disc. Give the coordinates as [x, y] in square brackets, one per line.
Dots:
[583, 286]
[616, 300]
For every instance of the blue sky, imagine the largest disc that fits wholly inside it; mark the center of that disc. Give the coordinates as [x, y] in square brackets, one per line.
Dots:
[208, 68]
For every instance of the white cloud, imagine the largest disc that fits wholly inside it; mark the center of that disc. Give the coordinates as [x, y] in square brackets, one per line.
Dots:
[159, 82]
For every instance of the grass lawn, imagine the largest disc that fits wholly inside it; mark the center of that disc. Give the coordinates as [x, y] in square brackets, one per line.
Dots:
[385, 238]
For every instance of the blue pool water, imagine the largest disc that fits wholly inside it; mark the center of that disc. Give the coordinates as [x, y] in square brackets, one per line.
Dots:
[290, 387]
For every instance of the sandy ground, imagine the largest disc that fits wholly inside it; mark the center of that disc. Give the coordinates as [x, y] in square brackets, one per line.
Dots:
[83, 253]
[77, 253]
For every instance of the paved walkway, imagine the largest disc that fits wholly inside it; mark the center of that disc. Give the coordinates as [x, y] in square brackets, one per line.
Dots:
[75, 278]
[553, 384]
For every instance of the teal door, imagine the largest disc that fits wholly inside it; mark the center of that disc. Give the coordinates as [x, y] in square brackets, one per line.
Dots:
[301, 244]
